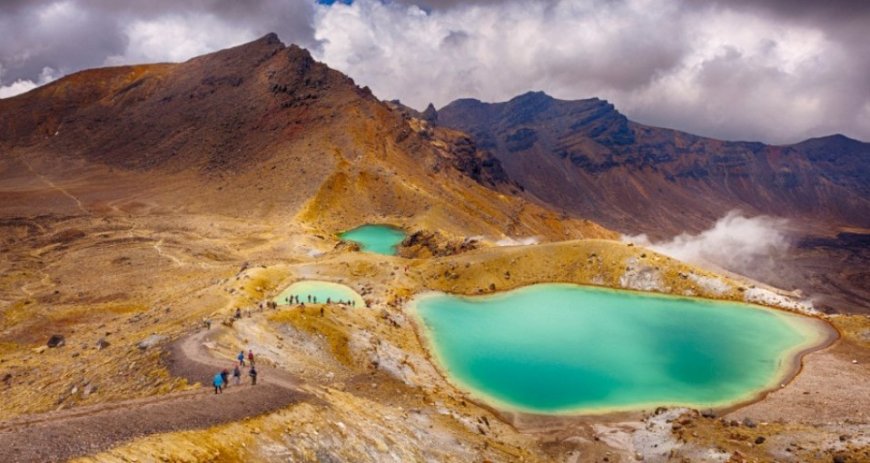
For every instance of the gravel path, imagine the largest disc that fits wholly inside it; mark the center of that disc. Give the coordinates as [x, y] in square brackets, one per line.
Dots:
[59, 436]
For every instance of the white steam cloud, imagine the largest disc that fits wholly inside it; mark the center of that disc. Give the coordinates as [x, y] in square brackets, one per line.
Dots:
[746, 245]
[527, 241]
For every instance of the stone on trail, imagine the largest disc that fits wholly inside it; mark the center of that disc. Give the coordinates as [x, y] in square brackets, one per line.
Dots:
[102, 344]
[56, 340]
[89, 389]
[151, 341]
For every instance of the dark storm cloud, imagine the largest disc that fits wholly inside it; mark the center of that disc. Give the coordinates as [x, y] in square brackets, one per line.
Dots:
[773, 70]
[845, 21]
[38, 35]
[813, 10]
[70, 35]
[737, 70]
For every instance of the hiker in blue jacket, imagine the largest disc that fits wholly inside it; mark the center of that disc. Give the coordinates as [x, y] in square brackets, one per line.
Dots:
[218, 383]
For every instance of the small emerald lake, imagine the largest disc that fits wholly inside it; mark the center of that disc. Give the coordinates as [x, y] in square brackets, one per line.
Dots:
[315, 291]
[379, 239]
[560, 348]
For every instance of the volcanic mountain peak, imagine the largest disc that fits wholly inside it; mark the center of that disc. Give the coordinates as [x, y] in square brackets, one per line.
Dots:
[261, 129]
[257, 50]
[539, 138]
[201, 113]
[518, 124]
[534, 106]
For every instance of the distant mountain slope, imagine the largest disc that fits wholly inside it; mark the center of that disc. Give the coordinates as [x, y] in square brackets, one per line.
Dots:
[258, 130]
[585, 157]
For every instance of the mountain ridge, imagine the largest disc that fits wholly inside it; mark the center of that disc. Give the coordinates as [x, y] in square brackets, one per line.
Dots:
[586, 142]
[263, 127]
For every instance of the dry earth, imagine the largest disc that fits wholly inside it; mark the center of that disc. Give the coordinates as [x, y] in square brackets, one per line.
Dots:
[365, 371]
[215, 198]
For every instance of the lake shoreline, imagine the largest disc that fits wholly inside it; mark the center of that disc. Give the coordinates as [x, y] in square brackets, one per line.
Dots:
[825, 335]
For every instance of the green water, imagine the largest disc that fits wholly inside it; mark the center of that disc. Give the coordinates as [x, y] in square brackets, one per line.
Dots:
[323, 290]
[557, 348]
[379, 239]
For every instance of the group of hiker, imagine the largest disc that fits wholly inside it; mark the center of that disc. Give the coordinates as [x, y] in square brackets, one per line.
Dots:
[222, 378]
[294, 299]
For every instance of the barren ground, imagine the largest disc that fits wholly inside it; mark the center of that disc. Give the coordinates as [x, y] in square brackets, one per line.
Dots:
[124, 267]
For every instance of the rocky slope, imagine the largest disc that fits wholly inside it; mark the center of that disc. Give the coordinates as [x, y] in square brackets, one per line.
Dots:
[637, 177]
[586, 158]
[253, 130]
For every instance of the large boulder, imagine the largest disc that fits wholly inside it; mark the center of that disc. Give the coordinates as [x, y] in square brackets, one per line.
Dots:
[424, 243]
[349, 246]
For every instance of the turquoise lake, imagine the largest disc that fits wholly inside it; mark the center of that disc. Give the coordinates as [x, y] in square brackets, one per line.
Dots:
[559, 348]
[379, 239]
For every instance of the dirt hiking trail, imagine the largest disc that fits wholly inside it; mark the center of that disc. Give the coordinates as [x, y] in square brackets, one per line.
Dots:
[62, 435]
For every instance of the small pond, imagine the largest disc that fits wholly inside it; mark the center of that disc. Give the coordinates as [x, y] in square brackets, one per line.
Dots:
[379, 239]
[322, 290]
[560, 348]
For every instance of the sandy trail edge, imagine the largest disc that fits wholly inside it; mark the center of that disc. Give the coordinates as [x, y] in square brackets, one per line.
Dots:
[59, 436]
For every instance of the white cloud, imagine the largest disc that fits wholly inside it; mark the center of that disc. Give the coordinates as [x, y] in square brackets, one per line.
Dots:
[747, 245]
[17, 87]
[175, 38]
[713, 71]
[736, 70]
[21, 85]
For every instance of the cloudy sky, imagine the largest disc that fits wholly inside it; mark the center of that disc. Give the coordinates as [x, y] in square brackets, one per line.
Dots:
[772, 70]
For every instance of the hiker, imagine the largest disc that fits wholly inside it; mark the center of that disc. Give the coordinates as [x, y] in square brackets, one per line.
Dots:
[309, 299]
[238, 313]
[251, 357]
[218, 383]
[241, 357]
[329, 300]
[253, 374]
[237, 375]
[207, 322]
[321, 311]
[225, 377]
